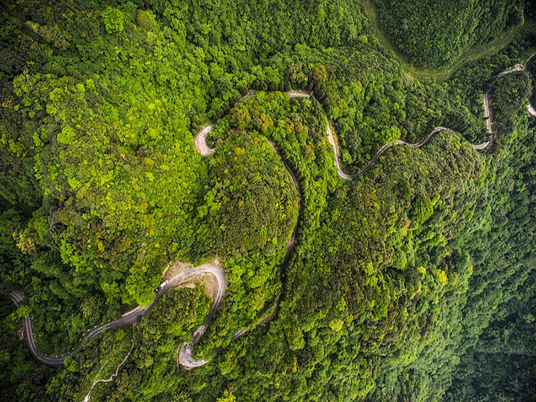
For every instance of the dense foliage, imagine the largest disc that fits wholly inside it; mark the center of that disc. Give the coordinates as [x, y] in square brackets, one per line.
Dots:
[412, 282]
[439, 32]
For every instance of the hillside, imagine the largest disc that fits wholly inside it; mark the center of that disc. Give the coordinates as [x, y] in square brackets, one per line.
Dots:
[262, 201]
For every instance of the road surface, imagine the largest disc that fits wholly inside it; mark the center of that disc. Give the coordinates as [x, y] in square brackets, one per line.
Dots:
[200, 141]
[292, 238]
[203, 149]
[532, 110]
[185, 353]
[517, 67]
[487, 112]
[333, 142]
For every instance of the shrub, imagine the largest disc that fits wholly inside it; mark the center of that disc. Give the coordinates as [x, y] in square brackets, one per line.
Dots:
[145, 19]
[113, 20]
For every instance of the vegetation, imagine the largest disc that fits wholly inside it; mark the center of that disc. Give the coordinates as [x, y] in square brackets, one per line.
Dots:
[451, 29]
[412, 282]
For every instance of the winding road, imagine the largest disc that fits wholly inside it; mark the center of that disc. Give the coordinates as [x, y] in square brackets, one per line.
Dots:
[205, 150]
[479, 147]
[292, 237]
[135, 315]
[200, 140]
[185, 352]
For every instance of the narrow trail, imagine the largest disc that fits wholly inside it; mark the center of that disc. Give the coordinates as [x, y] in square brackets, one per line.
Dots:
[115, 374]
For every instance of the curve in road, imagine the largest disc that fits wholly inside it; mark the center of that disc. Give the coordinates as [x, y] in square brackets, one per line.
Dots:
[333, 141]
[292, 238]
[204, 150]
[532, 110]
[200, 140]
[185, 352]
[135, 315]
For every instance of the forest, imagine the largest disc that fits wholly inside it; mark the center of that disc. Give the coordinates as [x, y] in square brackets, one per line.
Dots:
[412, 282]
[455, 28]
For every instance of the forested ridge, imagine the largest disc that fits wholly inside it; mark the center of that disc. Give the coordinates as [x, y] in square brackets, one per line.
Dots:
[454, 29]
[414, 281]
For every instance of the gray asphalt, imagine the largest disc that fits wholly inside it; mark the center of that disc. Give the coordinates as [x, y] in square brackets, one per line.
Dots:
[532, 110]
[200, 140]
[185, 352]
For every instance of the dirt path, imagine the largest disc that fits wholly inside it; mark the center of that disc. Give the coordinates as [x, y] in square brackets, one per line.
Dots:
[96, 381]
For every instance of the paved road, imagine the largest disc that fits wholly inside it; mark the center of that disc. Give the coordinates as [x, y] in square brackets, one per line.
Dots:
[185, 353]
[202, 147]
[332, 140]
[200, 140]
[517, 67]
[135, 315]
[487, 112]
[389, 145]
[532, 110]
[292, 238]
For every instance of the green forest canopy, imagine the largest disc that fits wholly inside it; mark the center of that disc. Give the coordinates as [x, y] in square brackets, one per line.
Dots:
[412, 282]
